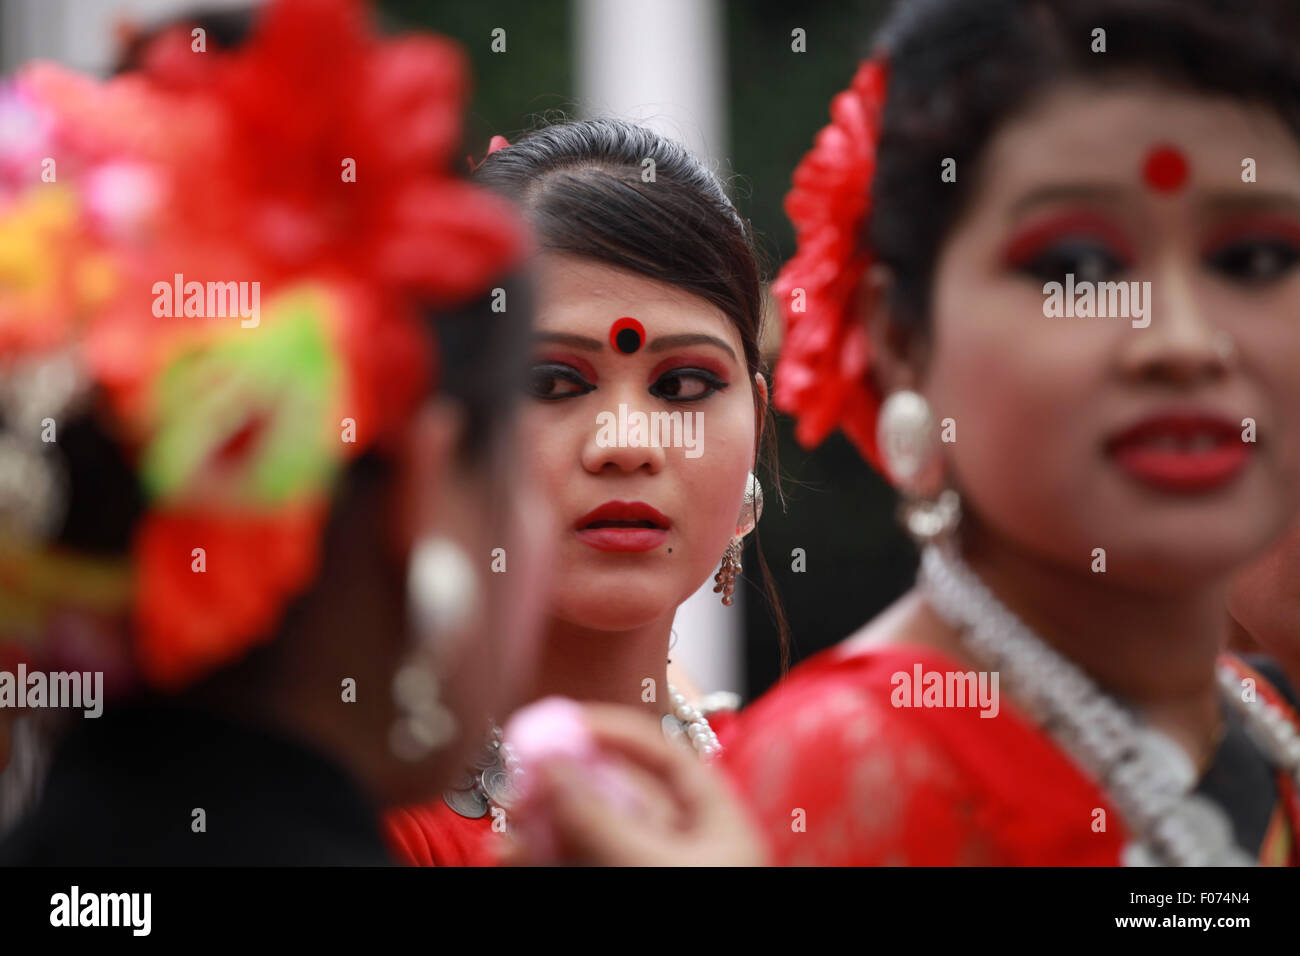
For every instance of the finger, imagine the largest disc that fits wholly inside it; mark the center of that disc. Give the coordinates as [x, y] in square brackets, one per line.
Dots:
[514, 852]
[590, 829]
[659, 804]
[638, 738]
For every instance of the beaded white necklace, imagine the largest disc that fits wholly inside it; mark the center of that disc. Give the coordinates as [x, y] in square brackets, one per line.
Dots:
[688, 721]
[1148, 777]
[492, 782]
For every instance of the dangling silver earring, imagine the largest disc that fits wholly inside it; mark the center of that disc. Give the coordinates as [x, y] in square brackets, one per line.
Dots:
[442, 595]
[750, 511]
[423, 722]
[911, 454]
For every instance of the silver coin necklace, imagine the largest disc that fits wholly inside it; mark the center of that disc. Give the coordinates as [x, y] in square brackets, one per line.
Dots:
[491, 784]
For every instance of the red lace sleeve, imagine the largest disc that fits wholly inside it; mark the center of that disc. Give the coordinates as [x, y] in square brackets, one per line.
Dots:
[837, 775]
[835, 780]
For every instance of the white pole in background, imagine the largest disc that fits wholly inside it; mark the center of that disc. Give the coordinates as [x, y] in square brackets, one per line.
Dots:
[662, 64]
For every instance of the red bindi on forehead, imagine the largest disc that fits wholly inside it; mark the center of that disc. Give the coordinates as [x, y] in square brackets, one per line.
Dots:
[1165, 169]
[626, 335]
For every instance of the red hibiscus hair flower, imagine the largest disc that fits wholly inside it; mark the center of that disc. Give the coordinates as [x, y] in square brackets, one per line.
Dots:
[191, 618]
[341, 172]
[822, 373]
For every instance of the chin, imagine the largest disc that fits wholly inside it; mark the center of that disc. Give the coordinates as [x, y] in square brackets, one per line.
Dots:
[1175, 555]
[621, 606]
[612, 616]
[1166, 540]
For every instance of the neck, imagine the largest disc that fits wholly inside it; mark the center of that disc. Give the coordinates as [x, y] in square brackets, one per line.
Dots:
[607, 666]
[1155, 650]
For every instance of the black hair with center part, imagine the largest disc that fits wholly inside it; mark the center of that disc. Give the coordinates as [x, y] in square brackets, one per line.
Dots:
[959, 69]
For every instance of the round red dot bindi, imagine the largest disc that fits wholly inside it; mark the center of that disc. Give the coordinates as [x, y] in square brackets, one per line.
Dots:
[1166, 169]
[626, 335]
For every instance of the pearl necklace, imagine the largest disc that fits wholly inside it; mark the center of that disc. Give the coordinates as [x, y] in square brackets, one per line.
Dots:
[686, 720]
[1148, 777]
[491, 784]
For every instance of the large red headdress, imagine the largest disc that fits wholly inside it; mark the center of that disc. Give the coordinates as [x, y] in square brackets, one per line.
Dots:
[822, 374]
[233, 251]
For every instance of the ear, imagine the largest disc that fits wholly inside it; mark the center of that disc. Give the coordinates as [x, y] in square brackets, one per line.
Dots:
[760, 406]
[896, 360]
[427, 457]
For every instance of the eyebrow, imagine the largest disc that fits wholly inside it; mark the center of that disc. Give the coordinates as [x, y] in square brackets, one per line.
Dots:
[1233, 202]
[566, 338]
[655, 345]
[1220, 202]
[691, 338]
[1066, 191]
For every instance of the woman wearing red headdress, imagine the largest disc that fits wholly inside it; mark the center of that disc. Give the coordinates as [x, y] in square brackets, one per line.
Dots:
[240, 503]
[1084, 477]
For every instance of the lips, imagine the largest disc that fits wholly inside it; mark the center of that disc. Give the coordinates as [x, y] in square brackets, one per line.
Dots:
[1185, 453]
[623, 526]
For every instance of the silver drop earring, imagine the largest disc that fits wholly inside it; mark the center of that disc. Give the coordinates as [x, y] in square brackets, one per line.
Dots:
[442, 595]
[442, 588]
[750, 511]
[424, 722]
[910, 451]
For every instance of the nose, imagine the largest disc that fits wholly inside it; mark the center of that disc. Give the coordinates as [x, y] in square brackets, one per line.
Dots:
[610, 443]
[1181, 345]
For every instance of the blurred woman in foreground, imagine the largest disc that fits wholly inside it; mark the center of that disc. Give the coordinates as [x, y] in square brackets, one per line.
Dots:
[254, 461]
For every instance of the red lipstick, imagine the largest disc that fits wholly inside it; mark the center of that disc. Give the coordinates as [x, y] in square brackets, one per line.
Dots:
[1182, 452]
[623, 526]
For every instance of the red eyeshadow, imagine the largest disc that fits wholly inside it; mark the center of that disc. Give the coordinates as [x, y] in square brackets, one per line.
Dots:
[585, 368]
[706, 362]
[1029, 242]
[1266, 225]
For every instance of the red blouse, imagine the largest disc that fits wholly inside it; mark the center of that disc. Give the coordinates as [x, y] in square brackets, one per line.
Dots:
[838, 775]
[436, 835]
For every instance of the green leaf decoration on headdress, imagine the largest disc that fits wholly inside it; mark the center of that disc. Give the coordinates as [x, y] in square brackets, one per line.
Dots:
[244, 418]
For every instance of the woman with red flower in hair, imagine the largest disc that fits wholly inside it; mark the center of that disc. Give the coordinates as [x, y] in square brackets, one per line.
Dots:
[1083, 488]
[258, 518]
